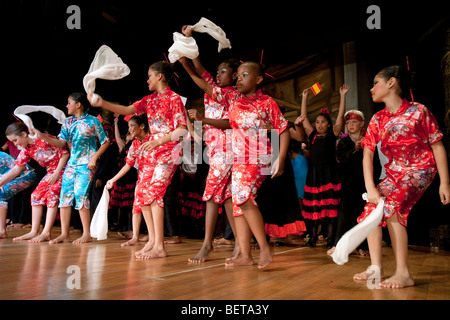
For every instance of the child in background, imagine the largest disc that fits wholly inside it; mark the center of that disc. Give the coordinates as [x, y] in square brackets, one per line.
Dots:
[322, 189]
[350, 155]
[251, 114]
[122, 193]
[167, 122]
[218, 183]
[47, 192]
[80, 132]
[10, 187]
[411, 140]
[138, 129]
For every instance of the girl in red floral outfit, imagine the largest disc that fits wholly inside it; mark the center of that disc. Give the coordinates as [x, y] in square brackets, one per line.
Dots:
[220, 153]
[167, 121]
[251, 115]
[410, 138]
[48, 190]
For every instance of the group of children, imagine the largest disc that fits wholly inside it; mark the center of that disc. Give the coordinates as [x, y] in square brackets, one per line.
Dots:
[237, 166]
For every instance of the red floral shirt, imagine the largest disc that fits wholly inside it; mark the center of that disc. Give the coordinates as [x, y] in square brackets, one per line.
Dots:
[405, 136]
[45, 154]
[250, 119]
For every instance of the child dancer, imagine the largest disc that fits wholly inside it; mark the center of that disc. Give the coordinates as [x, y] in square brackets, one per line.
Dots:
[251, 113]
[48, 190]
[218, 183]
[411, 140]
[321, 197]
[9, 186]
[350, 155]
[138, 128]
[167, 122]
[79, 132]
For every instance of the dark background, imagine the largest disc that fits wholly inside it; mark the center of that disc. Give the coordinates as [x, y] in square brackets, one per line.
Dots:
[43, 61]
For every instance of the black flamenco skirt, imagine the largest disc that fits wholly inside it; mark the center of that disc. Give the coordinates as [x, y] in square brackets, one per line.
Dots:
[322, 192]
[277, 200]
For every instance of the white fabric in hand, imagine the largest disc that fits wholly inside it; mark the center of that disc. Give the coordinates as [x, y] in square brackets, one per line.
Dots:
[106, 65]
[182, 47]
[355, 236]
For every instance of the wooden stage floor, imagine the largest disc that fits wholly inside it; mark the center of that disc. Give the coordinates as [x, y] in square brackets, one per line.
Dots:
[105, 271]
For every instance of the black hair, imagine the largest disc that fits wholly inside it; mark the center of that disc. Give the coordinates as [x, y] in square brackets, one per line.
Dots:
[165, 68]
[16, 129]
[233, 64]
[327, 116]
[82, 99]
[141, 120]
[403, 78]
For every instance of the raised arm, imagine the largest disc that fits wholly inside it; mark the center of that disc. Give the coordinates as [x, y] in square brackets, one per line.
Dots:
[197, 78]
[114, 108]
[60, 143]
[339, 124]
[187, 31]
[304, 112]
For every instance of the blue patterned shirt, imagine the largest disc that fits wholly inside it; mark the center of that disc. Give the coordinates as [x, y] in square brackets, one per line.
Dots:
[81, 134]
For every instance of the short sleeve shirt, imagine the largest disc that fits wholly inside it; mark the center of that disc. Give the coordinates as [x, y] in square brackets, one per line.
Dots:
[250, 119]
[45, 154]
[82, 133]
[406, 137]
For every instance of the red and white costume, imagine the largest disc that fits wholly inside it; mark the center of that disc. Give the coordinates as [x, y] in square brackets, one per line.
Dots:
[47, 156]
[406, 138]
[220, 153]
[250, 119]
[165, 112]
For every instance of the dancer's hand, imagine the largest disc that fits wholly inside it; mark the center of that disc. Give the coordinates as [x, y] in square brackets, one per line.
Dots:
[109, 184]
[299, 120]
[194, 114]
[150, 145]
[36, 132]
[305, 93]
[344, 89]
[444, 193]
[51, 179]
[95, 100]
[187, 30]
[373, 196]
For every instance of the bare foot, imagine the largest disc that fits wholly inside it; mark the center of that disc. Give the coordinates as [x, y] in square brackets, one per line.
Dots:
[398, 281]
[222, 241]
[202, 255]
[265, 258]
[330, 251]
[153, 254]
[83, 239]
[27, 236]
[241, 261]
[364, 276]
[62, 238]
[235, 254]
[125, 234]
[3, 235]
[148, 246]
[40, 238]
[174, 240]
[131, 242]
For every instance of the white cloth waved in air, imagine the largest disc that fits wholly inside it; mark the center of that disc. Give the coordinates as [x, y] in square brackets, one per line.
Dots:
[22, 111]
[106, 65]
[187, 47]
